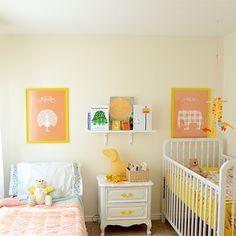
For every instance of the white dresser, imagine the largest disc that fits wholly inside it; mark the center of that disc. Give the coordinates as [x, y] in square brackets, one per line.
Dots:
[124, 203]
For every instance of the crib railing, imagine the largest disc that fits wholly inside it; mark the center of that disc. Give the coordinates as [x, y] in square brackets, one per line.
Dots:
[208, 151]
[189, 200]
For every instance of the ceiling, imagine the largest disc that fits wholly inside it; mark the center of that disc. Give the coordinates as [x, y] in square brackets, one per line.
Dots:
[131, 17]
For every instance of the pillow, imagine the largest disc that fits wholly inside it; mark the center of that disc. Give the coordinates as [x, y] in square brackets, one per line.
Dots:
[77, 180]
[63, 176]
[13, 181]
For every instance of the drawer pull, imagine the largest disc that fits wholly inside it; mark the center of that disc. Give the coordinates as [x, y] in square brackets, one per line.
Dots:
[127, 195]
[129, 212]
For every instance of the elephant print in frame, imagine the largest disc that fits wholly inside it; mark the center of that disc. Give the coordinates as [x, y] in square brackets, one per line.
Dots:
[190, 112]
[47, 115]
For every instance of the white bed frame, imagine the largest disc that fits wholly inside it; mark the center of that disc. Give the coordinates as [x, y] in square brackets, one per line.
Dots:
[209, 153]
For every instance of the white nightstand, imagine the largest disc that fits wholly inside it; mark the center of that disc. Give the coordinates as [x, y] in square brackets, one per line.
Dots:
[124, 203]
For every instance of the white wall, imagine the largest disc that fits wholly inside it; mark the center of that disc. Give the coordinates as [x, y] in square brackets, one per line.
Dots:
[94, 68]
[3, 104]
[229, 90]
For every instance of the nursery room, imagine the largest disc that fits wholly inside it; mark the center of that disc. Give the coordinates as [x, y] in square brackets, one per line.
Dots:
[117, 117]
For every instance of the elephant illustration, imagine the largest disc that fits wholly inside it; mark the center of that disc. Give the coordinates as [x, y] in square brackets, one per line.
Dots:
[190, 117]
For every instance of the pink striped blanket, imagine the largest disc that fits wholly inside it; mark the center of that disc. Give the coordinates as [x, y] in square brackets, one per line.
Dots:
[56, 220]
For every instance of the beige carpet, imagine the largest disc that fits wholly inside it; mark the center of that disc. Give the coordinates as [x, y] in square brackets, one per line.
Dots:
[158, 228]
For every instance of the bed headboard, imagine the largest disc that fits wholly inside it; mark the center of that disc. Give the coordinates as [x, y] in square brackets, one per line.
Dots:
[65, 177]
[208, 151]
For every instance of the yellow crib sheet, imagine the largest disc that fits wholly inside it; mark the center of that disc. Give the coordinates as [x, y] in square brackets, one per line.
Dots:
[194, 198]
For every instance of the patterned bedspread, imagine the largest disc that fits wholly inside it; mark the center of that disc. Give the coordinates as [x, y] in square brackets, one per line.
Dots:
[42, 220]
[213, 176]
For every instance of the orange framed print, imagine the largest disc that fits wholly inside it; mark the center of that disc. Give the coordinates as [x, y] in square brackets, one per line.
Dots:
[47, 115]
[189, 112]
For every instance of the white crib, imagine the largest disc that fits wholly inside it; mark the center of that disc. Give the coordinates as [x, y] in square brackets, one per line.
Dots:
[192, 204]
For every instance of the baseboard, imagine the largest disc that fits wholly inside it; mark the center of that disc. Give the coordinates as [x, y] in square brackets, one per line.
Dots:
[155, 216]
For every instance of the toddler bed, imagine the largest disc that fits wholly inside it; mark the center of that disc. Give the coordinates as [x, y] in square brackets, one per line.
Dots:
[195, 205]
[64, 217]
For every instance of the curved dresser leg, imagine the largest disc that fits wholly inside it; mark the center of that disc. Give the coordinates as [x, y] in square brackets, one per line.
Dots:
[102, 228]
[149, 226]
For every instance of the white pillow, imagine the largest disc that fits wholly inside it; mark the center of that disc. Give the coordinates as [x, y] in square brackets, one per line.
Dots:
[59, 175]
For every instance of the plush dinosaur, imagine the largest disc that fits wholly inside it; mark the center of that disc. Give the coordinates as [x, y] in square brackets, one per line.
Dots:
[118, 167]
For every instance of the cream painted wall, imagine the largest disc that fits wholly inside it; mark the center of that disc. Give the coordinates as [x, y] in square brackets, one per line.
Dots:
[229, 90]
[3, 107]
[93, 68]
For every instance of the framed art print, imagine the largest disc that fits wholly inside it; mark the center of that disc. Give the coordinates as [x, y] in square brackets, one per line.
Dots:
[189, 112]
[47, 115]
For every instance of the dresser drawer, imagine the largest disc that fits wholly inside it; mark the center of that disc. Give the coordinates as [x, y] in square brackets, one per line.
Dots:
[127, 195]
[126, 212]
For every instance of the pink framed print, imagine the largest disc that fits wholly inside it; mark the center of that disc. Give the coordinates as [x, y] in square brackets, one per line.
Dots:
[189, 112]
[47, 115]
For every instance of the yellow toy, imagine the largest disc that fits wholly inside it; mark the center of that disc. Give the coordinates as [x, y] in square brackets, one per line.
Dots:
[118, 167]
[115, 178]
[38, 193]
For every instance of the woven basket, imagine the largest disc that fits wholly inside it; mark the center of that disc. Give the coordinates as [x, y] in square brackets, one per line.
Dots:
[137, 176]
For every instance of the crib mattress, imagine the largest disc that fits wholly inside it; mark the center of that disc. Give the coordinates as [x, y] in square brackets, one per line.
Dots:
[63, 218]
[199, 204]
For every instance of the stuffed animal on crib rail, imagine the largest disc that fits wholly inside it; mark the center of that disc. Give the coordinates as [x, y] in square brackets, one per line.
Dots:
[38, 193]
[118, 167]
[193, 165]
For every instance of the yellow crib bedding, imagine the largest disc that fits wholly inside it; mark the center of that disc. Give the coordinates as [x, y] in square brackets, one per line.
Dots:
[194, 195]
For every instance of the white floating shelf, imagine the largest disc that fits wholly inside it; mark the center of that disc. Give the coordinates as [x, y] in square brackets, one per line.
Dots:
[130, 132]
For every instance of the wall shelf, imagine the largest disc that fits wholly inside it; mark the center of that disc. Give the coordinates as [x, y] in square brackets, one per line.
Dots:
[129, 132]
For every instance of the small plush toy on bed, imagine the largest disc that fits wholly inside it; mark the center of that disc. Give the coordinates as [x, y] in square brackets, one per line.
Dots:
[193, 165]
[38, 193]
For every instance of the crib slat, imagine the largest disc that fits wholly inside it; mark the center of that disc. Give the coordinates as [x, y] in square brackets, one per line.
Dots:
[195, 150]
[210, 209]
[183, 153]
[192, 205]
[214, 153]
[177, 151]
[189, 149]
[215, 214]
[196, 209]
[175, 194]
[182, 197]
[201, 164]
[205, 208]
[180, 187]
[186, 205]
[208, 154]
[172, 193]
[200, 220]
[188, 202]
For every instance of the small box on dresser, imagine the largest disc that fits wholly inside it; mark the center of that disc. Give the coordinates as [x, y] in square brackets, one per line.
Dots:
[137, 176]
[124, 204]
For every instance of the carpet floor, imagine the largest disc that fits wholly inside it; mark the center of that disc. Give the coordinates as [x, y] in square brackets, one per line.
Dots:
[158, 228]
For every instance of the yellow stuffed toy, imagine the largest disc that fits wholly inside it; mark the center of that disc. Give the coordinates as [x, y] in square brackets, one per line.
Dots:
[38, 193]
[118, 167]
